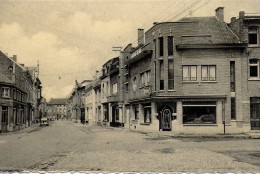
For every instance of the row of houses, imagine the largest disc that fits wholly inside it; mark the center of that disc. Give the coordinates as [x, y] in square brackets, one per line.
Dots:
[195, 75]
[20, 94]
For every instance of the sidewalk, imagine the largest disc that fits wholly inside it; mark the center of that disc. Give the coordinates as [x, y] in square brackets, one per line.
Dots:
[252, 135]
[28, 129]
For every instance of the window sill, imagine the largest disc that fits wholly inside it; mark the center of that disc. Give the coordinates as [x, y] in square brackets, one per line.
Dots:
[190, 81]
[200, 124]
[208, 81]
[171, 90]
[6, 97]
[253, 45]
[254, 79]
[147, 124]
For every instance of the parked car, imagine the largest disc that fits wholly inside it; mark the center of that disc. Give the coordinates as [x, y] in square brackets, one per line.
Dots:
[208, 118]
[44, 122]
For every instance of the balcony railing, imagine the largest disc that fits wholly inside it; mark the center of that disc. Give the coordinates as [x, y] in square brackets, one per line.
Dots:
[140, 50]
[140, 53]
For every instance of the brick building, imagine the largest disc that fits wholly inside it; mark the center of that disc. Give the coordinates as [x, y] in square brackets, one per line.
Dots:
[184, 77]
[20, 95]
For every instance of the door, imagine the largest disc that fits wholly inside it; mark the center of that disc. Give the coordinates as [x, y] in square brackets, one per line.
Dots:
[255, 113]
[166, 120]
[4, 118]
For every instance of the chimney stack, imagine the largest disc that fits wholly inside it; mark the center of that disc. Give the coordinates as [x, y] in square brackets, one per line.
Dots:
[233, 19]
[15, 58]
[140, 36]
[220, 13]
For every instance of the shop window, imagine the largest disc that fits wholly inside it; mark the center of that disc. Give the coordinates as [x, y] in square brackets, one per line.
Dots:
[254, 68]
[6, 92]
[253, 35]
[161, 46]
[189, 73]
[147, 114]
[199, 113]
[170, 75]
[170, 45]
[208, 73]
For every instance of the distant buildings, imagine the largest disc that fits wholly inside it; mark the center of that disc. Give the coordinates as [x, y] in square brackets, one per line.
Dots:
[57, 108]
[20, 94]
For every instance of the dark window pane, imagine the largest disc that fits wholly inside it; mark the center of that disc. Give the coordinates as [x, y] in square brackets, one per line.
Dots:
[161, 84]
[170, 45]
[161, 45]
[171, 84]
[252, 38]
[233, 108]
[253, 71]
[232, 76]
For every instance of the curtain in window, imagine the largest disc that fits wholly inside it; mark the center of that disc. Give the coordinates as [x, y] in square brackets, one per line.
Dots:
[193, 73]
[185, 73]
[212, 73]
[204, 73]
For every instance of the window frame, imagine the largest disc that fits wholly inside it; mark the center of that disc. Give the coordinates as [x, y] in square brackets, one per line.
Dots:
[254, 65]
[170, 46]
[253, 32]
[161, 46]
[4, 92]
[189, 73]
[208, 73]
[169, 74]
[147, 120]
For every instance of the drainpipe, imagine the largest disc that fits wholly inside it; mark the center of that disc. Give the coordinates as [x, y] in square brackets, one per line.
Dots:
[224, 117]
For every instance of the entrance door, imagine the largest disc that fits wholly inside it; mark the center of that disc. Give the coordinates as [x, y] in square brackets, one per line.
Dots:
[255, 113]
[166, 119]
[4, 118]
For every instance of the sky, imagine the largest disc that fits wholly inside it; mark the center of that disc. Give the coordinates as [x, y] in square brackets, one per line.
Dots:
[72, 39]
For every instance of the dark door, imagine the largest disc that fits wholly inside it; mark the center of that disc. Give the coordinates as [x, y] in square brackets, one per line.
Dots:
[166, 119]
[255, 115]
[4, 118]
[82, 115]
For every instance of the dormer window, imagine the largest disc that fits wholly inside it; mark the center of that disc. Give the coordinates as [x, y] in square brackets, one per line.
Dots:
[253, 35]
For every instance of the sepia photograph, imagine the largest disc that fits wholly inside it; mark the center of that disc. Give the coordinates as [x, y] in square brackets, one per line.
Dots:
[130, 86]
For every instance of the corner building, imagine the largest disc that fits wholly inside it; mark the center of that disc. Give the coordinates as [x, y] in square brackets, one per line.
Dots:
[185, 77]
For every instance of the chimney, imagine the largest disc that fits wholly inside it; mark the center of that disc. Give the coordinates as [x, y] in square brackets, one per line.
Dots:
[241, 14]
[220, 13]
[233, 19]
[15, 58]
[140, 36]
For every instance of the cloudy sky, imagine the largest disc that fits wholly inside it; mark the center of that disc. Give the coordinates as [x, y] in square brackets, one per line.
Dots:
[72, 39]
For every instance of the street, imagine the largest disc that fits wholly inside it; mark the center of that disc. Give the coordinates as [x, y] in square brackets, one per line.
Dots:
[67, 146]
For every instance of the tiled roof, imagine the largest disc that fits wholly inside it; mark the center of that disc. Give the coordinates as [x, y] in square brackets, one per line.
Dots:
[209, 30]
[58, 101]
[4, 79]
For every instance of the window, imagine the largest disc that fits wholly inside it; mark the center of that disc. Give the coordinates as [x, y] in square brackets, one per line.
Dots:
[233, 108]
[208, 73]
[114, 86]
[189, 73]
[6, 92]
[147, 114]
[18, 95]
[170, 75]
[136, 112]
[199, 112]
[161, 46]
[145, 78]
[14, 94]
[4, 114]
[161, 75]
[126, 86]
[232, 76]
[255, 113]
[254, 68]
[253, 35]
[170, 45]
[134, 84]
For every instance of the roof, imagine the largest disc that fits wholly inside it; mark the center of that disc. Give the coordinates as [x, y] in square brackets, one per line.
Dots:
[58, 101]
[4, 79]
[202, 30]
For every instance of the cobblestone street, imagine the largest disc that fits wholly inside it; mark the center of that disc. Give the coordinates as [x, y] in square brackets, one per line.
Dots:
[66, 146]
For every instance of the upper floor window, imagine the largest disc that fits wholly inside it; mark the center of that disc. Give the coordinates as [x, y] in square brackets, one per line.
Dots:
[114, 87]
[253, 35]
[161, 71]
[134, 84]
[254, 68]
[14, 94]
[145, 78]
[189, 73]
[170, 74]
[208, 73]
[6, 92]
[161, 46]
[170, 45]
[18, 95]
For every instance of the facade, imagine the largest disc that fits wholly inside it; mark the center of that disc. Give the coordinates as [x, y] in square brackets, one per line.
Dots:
[57, 108]
[184, 77]
[20, 95]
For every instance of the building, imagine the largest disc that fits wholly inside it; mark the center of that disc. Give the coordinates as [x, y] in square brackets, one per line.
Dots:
[247, 28]
[20, 94]
[57, 108]
[181, 77]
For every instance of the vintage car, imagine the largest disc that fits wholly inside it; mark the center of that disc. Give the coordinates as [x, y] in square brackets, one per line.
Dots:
[44, 122]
